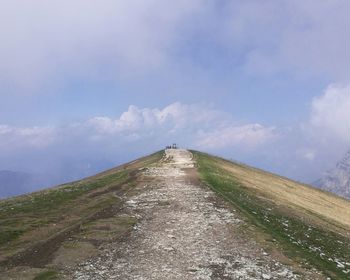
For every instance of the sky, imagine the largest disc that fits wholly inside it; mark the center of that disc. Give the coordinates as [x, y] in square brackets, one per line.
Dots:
[86, 85]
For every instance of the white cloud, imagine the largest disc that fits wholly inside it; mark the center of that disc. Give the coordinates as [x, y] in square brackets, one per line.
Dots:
[244, 136]
[307, 153]
[191, 125]
[331, 112]
[293, 152]
[12, 138]
[196, 125]
[174, 117]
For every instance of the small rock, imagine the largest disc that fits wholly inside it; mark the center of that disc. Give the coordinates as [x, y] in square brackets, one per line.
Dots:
[169, 249]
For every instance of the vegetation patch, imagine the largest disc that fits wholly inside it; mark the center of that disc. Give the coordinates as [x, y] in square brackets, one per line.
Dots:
[107, 229]
[302, 241]
[7, 235]
[73, 252]
[47, 275]
[23, 214]
[43, 220]
[47, 201]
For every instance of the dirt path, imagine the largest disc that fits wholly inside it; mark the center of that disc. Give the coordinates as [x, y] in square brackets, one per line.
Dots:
[184, 232]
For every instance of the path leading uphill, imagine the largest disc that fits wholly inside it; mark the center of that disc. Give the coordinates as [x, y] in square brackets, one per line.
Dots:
[184, 232]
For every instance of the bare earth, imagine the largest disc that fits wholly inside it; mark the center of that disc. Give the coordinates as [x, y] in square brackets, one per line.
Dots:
[184, 232]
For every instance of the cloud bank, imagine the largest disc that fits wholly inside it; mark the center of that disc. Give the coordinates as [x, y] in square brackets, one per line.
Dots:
[331, 112]
[68, 152]
[322, 139]
[79, 149]
[45, 43]
[195, 125]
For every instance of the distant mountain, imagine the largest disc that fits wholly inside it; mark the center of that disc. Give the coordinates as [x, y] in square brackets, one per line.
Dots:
[15, 183]
[337, 180]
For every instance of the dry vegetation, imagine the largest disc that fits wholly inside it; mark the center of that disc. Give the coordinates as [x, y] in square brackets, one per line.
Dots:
[309, 225]
[331, 208]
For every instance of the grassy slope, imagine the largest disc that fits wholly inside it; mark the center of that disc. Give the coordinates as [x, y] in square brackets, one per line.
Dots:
[29, 220]
[311, 226]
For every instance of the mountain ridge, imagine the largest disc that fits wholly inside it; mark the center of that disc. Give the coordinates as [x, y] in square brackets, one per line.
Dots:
[60, 231]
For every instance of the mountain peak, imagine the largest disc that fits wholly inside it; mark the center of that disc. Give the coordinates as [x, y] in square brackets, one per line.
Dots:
[337, 180]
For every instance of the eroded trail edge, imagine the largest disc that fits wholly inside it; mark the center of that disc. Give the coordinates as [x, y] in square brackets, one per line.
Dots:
[184, 231]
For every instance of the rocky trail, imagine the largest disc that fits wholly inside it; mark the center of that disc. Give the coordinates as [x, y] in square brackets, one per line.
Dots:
[184, 231]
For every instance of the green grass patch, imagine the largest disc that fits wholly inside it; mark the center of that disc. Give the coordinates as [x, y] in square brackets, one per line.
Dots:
[22, 214]
[326, 250]
[7, 235]
[47, 275]
[49, 200]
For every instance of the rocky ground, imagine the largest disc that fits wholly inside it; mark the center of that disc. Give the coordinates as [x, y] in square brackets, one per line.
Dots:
[184, 231]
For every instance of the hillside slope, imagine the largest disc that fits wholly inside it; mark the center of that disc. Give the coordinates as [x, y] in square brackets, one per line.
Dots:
[308, 224]
[35, 226]
[176, 215]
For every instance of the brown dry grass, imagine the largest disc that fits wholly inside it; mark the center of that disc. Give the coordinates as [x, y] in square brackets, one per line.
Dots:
[73, 252]
[333, 210]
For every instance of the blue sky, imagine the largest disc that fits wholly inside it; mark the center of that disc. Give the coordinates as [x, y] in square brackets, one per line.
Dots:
[97, 83]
